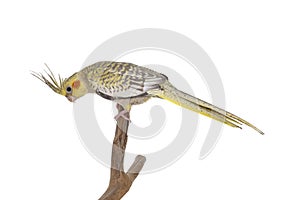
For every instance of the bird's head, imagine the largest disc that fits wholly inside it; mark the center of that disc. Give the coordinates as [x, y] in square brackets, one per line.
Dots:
[72, 88]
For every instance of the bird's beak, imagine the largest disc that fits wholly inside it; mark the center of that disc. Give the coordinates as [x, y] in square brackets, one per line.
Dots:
[71, 98]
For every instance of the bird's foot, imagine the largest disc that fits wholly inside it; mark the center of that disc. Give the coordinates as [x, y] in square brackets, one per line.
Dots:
[124, 114]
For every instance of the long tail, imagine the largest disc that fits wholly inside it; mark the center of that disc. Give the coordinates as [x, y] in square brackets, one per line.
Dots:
[187, 101]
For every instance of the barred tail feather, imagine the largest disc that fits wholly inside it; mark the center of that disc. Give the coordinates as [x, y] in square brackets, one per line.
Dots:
[187, 101]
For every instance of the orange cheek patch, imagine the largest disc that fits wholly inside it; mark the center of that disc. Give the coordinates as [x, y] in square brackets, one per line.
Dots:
[76, 84]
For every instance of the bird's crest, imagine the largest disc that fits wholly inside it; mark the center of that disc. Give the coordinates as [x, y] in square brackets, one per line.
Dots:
[52, 82]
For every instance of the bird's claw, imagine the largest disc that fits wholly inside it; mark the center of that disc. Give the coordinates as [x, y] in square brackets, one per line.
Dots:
[124, 114]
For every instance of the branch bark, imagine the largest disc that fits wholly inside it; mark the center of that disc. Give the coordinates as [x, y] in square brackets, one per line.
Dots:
[120, 182]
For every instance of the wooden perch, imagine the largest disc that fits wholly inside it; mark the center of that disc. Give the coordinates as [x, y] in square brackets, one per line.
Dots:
[120, 182]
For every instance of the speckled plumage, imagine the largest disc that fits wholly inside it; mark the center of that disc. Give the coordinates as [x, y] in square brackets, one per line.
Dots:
[122, 80]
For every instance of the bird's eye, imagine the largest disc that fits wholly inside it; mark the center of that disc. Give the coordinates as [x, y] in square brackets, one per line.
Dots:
[69, 89]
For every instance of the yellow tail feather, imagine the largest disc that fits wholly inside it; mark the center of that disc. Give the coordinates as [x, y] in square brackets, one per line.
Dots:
[187, 101]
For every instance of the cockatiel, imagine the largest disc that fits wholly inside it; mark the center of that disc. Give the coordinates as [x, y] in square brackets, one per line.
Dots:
[129, 84]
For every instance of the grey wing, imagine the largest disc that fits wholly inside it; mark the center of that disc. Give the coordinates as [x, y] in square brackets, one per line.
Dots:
[125, 80]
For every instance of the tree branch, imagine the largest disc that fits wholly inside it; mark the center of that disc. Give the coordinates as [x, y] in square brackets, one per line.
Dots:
[120, 182]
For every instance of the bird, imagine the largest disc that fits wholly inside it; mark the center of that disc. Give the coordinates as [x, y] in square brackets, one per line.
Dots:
[129, 84]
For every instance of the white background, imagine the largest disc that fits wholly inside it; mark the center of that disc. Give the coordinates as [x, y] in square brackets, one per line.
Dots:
[255, 46]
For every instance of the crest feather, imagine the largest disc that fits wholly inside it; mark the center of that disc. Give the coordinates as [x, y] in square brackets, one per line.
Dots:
[56, 86]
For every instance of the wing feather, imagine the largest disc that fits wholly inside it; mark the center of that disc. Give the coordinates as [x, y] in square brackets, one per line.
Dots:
[124, 80]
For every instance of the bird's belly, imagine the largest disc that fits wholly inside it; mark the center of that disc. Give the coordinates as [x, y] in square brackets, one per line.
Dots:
[138, 100]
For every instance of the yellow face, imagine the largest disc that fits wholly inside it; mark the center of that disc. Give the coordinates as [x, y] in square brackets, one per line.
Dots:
[73, 88]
